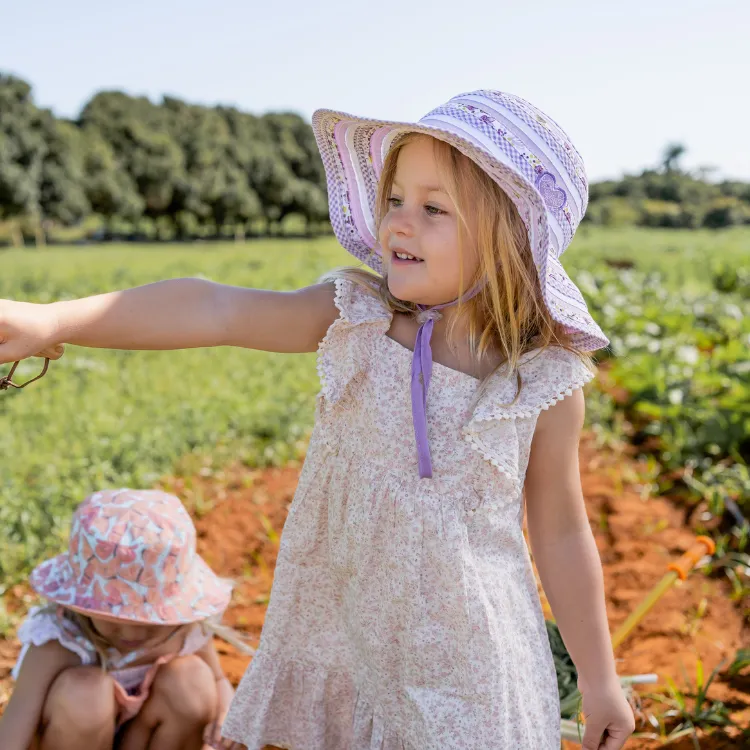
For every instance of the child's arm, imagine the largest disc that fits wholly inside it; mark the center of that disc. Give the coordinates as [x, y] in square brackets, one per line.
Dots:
[570, 569]
[40, 667]
[172, 314]
[225, 692]
[560, 537]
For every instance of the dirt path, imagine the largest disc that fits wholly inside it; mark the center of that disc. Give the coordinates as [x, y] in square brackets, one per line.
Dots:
[636, 538]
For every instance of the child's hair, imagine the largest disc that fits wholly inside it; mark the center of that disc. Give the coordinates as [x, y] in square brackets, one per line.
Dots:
[100, 644]
[508, 315]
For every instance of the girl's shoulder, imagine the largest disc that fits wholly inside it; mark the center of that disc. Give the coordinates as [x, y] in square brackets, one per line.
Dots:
[544, 377]
[45, 624]
[347, 348]
[359, 302]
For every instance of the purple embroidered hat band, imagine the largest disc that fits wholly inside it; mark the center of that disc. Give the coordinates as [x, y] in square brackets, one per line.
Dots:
[521, 148]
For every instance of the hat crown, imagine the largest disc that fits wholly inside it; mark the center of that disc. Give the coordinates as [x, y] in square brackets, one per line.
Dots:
[541, 153]
[132, 556]
[147, 529]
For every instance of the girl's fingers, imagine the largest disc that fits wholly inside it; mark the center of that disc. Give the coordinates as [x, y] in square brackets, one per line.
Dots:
[208, 733]
[52, 352]
[212, 735]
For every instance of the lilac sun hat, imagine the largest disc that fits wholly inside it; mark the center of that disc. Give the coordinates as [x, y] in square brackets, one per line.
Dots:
[526, 152]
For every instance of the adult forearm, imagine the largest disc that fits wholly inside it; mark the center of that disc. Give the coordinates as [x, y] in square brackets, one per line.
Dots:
[571, 573]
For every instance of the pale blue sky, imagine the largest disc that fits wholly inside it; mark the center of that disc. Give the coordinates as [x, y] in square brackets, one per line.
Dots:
[622, 78]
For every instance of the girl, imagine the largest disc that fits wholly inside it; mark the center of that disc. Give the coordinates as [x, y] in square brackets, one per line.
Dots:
[123, 654]
[404, 612]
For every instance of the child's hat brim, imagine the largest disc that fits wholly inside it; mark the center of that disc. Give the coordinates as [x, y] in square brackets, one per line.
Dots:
[200, 595]
[522, 149]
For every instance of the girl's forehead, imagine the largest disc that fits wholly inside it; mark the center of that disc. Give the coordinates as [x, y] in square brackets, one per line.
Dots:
[420, 162]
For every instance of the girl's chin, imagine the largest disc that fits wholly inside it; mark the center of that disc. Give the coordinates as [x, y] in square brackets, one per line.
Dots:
[403, 290]
[416, 293]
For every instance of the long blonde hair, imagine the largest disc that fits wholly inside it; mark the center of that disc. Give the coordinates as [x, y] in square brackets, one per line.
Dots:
[508, 316]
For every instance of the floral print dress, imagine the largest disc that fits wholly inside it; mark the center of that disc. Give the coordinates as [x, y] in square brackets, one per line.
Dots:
[404, 613]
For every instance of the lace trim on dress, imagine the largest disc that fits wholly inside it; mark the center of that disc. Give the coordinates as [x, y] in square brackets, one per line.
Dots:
[493, 430]
[42, 626]
[342, 356]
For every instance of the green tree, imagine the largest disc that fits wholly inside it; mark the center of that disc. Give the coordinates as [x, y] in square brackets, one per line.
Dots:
[138, 133]
[62, 188]
[672, 154]
[22, 151]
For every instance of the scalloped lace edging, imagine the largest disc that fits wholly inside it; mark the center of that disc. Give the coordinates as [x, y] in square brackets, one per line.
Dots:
[473, 440]
[578, 383]
[512, 412]
[322, 365]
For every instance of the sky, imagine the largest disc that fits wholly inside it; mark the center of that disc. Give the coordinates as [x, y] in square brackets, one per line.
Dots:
[622, 78]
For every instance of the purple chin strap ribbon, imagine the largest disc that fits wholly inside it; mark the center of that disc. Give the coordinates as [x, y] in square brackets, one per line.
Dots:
[421, 372]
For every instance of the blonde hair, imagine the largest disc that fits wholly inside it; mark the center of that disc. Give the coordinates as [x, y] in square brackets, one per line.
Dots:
[101, 645]
[508, 315]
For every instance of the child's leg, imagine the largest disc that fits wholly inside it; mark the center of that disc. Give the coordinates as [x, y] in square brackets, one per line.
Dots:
[79, 711]
[181, 703]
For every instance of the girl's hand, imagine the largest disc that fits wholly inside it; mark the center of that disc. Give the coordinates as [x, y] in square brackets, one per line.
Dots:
[213, 739]
[609, 717]
[27, 330]
[212, 734]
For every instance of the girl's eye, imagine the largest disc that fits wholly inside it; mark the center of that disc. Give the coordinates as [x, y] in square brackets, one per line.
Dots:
[431, 210]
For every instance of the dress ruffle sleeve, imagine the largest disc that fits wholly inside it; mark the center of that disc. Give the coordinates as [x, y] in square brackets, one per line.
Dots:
[502, 425]
[43, 625]
[345, 350]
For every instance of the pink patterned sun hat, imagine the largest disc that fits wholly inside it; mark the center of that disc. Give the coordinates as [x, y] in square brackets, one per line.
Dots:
[132, 557]
[525, 151]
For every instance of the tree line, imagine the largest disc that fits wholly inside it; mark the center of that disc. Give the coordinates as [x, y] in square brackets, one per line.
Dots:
[669, 196]
[130, 168]
[168, 170]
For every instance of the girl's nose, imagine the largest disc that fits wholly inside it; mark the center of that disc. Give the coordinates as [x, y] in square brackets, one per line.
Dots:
[401, 222]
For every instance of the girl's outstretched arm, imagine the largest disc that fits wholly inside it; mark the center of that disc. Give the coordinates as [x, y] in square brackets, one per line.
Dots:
[40, 667]
[173, 314]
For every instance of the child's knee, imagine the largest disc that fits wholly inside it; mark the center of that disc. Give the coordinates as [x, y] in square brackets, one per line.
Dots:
[186, 687]
[81, 699]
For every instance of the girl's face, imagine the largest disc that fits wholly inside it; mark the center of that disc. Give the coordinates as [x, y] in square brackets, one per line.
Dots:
[126, 636]
[422, 222]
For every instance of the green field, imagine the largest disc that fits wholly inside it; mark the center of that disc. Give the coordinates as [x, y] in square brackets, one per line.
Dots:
[103, 418]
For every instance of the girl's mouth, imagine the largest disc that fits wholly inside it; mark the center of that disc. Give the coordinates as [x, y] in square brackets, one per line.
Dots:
[403, 259]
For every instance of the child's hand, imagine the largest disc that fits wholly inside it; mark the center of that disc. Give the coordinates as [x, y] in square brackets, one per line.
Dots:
[213, 739]
[26, 330]
[609, 717]
[212, 734]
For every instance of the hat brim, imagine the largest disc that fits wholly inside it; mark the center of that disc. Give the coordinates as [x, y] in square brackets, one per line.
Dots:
[353, 150]
[199, 595]
[565, 302]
